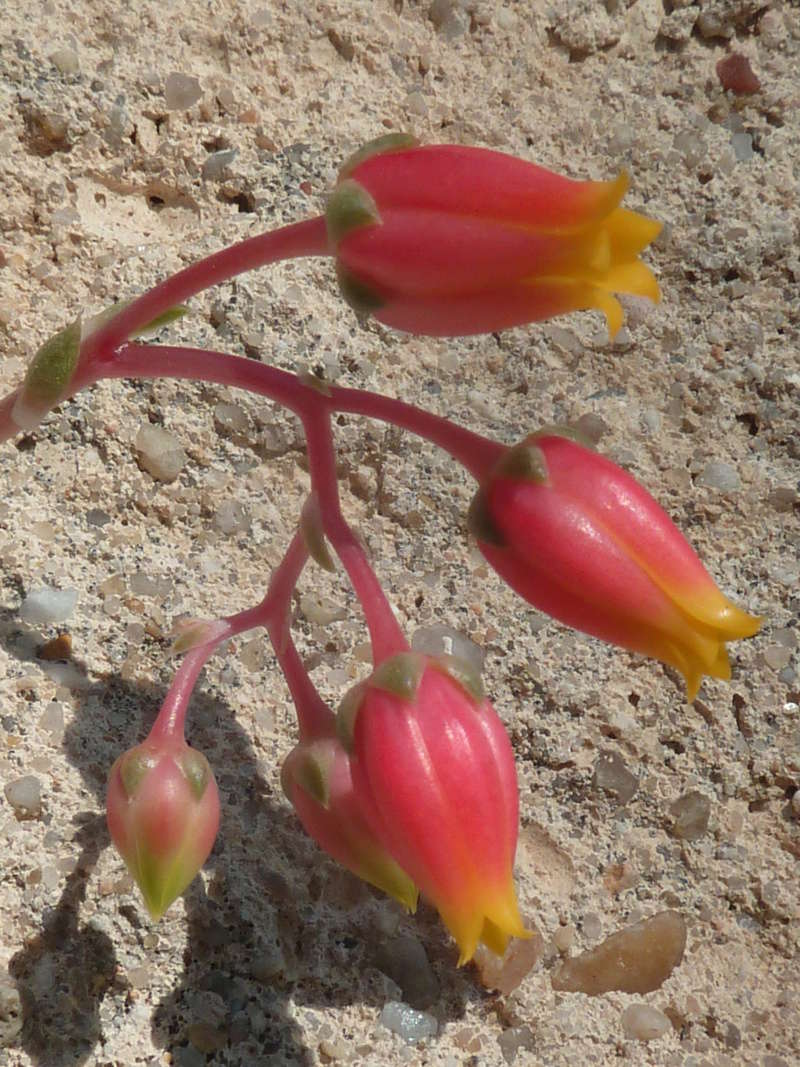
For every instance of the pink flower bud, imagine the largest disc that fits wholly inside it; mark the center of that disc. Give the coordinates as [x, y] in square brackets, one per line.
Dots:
[316, 778]
[163, 815]
[578, 538]
[432, 765]
[452, 240]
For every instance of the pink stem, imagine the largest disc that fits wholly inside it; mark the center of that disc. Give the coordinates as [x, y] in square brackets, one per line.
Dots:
[169, 724]
[307, 238]
[385, 634]
[476, 453]
[314, 716]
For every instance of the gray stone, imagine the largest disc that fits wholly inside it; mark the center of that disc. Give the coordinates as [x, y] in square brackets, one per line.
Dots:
[404, 960]
[181, 91]
[25, 796]
[611, 775]
[720, 476]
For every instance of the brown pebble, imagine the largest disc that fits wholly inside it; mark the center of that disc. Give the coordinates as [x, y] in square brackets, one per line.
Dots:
[637, 959]
[505, 973]
[691, 813]
[206, 1038]
[59, 648]
[736, 74]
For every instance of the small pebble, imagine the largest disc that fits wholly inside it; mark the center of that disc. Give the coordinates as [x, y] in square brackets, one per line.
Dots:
[736, 74]
[777, 657]
[321, 610]
[10, 1012]
[181, 91]
[231, 517]
[514, 1039]
[48, 605]
[742, 145]
[643, 1023]
[691, 813]
[160, 453]
[611, 775]
[720, 476]
[25, 797]
[333, 1050]
[215, 164]
[404, 960]
[411, 1025]
[637, 959]
[440, 640]
[66, 60]
[52, 718]
[506, 973]
[230, 418]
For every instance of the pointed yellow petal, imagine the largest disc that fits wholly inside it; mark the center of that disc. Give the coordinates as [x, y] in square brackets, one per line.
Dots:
[632, 277]
[630, 232]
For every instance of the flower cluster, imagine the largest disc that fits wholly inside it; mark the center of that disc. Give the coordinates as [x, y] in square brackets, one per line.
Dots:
[411, 785]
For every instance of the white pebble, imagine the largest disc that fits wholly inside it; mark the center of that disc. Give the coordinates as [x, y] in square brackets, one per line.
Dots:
[643, 1023]
[411, 1025]
[440, 640]
[160, 453]
[48, 605]
[25, 796]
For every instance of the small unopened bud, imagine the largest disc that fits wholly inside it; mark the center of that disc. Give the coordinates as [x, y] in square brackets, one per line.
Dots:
[163, 816]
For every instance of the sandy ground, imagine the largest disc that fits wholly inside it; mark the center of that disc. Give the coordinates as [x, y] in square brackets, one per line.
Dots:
[274, 956]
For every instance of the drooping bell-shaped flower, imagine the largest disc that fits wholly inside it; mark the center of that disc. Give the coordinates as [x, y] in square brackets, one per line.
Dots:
[581, 540]
[163, 814]
[451, 240]
[317, 780]
[432, 765]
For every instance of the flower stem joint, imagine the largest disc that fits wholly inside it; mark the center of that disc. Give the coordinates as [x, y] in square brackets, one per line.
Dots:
[448, 240]
[581, 540]
[433, 769]
[163, 816]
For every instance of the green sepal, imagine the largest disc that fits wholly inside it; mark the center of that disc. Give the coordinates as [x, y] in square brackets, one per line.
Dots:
[480, 523]
[110, 313]
[524, 462]
[346, 713]
[48, 377]
[196, 771]
[350, 207]
[399, 675]
[135, 766]
[314, 536]
[319, 385]
[462, 673]
[311, 770]
[389, 142]
[570, 433]
[362, 299]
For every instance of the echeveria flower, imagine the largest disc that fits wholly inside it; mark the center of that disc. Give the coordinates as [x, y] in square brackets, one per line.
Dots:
[580, 539]
[452, 240]
[433, 766]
